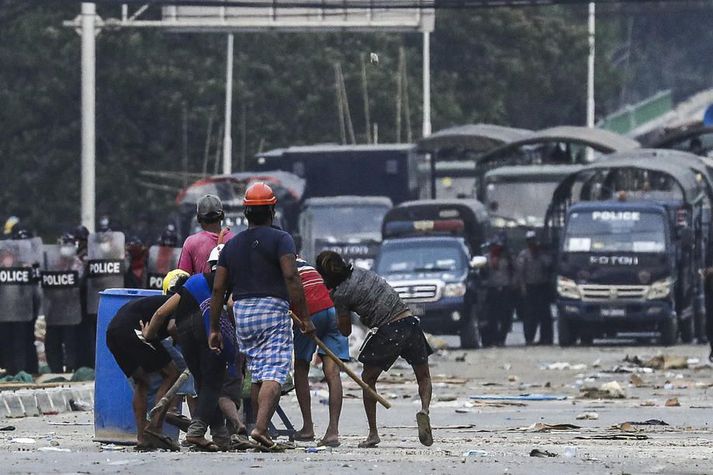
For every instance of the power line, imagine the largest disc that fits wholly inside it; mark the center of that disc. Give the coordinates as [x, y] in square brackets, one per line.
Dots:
[376, 4]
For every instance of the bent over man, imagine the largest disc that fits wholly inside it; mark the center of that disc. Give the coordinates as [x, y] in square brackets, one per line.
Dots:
[393, 332]
[259, 265]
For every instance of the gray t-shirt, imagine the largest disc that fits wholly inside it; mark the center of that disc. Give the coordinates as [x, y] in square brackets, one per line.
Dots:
[370, 296]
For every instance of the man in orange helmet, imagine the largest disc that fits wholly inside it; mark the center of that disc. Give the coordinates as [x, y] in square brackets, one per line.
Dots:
[259, 267]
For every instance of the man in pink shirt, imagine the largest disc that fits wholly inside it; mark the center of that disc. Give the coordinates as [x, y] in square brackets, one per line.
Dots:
[197, 247]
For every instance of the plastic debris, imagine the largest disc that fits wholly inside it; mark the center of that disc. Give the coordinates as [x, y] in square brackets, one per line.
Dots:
[475, 453]
[563, 365]
[672, 402]
[79, 405]
[587, 416]
[542, 427]
[52, 449]
[23, 440]
[542, 453]
[314, 450]
[520, 397]
[570, 451]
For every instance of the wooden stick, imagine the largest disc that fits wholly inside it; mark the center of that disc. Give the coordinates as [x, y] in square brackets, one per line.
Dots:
[166, 399]
[344, 367]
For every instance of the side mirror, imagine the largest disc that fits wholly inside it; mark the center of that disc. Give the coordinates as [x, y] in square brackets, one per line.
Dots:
[478, 262]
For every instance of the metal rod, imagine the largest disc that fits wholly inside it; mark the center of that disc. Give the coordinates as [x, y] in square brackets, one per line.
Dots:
[88, 115]
[426, 84]
[344, 367]
[590, 72]
[227, 140]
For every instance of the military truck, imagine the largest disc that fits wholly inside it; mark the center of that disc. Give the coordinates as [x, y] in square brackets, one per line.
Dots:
[632, 234]
[349, 225]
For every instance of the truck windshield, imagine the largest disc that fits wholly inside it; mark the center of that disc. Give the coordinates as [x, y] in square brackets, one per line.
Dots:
[421, 257]
[615, 230]
[519, 202]
[348, 223]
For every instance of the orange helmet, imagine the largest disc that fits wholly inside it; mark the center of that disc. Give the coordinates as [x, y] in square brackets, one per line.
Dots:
[259, 194]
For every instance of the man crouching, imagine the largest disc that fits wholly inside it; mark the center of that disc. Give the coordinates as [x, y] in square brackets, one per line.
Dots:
[393, 332]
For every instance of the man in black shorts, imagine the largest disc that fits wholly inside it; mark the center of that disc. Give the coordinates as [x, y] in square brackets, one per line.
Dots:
[138, 358]
[393, 332]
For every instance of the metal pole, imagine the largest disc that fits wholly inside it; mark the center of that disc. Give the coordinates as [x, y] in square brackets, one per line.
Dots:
[426, 83]
[228, 141]
[88, 115]
[590, 76]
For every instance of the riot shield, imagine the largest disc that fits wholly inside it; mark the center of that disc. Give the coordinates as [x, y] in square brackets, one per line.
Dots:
[19, 291]
[105, 265]
[162, 259]
[61, 280]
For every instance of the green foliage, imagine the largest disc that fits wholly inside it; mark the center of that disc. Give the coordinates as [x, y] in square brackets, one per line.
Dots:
[520, 67]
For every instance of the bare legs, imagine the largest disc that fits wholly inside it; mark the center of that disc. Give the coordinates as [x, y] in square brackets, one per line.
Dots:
[334, 384]
[265, 397]
[370, 374]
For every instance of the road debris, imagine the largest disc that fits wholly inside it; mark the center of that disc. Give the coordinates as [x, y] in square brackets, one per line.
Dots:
[563, 365]
[542, 453]
[23, 440]
[672, 402]
[660, 362]
[587, 416]
[610, 390]
[636, 380]
[625, 427]
[650, 422]
[519, 397]
[542, 427]
[620, 436]
[570, 451]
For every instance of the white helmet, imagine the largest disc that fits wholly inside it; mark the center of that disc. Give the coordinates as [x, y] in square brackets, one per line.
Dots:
[214, 255]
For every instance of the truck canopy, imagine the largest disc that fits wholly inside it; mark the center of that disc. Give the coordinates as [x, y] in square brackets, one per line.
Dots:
[466, 218]
[478, 138]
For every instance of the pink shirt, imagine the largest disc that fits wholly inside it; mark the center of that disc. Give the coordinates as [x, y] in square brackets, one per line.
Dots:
[196, 250]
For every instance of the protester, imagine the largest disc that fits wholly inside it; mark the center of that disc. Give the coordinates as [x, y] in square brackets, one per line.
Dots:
[197, 247]
[393, 332]
[138, 357]
[324, 318]
[259, 266]
[534, 269]
[189, 308]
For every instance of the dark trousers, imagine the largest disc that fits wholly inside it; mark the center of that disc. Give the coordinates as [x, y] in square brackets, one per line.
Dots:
[538, 313]
[18, 347]
[499, 308]
[61, 347]
[207, 368]
[87, 341]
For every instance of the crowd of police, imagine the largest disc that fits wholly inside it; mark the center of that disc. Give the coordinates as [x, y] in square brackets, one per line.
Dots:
[62, 281]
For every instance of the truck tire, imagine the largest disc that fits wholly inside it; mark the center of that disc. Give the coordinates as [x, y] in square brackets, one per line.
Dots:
[470, 333]
[687, 329]
[669, 332]
[565, 331]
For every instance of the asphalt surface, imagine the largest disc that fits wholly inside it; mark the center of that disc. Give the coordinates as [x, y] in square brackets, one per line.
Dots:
[471, 436]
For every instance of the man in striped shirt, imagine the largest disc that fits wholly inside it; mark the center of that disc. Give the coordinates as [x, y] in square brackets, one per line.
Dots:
[324, 318]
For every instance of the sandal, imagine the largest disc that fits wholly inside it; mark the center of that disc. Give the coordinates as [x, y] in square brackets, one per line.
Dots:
[424, 428]
[266, 445]
[241, 442]
[178, 420]
[160, 441]
[201, 444]
[144, 447]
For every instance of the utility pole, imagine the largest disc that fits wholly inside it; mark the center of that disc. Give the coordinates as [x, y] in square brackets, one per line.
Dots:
[590, 76]
[88, 32]
[426, 84]
[227, 139]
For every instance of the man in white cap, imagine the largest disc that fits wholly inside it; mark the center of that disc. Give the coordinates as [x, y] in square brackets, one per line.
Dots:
[197, 247]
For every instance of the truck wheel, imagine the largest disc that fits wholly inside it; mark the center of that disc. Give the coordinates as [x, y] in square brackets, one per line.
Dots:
[470, 333]
[564, 328]
[687, 330]
[669, 332]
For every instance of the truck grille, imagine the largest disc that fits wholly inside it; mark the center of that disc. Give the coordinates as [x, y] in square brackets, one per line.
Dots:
[417, 292]
[613, 292]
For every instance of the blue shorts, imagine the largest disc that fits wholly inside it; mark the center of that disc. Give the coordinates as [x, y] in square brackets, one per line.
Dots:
[326, 324]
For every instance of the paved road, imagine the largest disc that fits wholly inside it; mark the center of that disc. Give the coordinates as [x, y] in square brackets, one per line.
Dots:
[503, 431]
